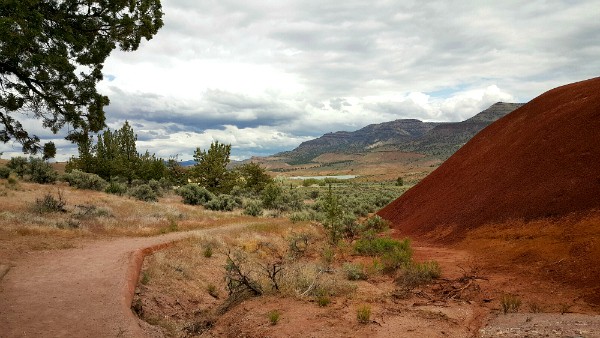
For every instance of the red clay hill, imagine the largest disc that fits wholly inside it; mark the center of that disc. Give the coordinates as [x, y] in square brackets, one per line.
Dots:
[541, 161]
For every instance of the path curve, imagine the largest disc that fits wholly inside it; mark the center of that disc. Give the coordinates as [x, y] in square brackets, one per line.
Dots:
[81, 292]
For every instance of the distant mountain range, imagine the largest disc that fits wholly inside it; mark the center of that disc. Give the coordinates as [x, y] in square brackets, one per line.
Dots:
[438, 139]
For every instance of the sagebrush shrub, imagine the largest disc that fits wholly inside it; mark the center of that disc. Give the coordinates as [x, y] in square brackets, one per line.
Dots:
[380, 245]
[143, 193]
[377, 223]
[116, 188]
[82, 180]
[253, 208]
[355, 271]
[194, 195]
[48, 203]
[416, 274]
[223, 202]
[41, 172]
[4, 172]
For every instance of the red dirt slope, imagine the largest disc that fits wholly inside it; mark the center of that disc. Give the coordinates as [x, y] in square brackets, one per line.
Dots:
[540, 161]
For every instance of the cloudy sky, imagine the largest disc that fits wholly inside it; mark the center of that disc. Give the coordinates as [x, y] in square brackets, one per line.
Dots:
[267, 75]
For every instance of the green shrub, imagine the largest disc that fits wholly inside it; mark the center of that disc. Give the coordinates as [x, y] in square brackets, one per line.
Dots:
[380, 245]
[395, 258]
[41, 172]
[222, 202]
[253, 208]
[355, 271]
[305, 215]
[4, 172]
[377, 223]
[116, 188]
[416, 274]
[311, 181]
[270, 194]
[195, 195]
[156, 186]
[48, 204]
[143, 193]
[18, 165]
[82, 180]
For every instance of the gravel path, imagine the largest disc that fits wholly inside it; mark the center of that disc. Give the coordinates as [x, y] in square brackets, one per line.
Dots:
[82, 292]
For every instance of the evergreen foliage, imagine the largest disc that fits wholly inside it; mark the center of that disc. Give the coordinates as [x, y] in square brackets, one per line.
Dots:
[210, 170]
[52, 56]
[115, 155]
[254, 176]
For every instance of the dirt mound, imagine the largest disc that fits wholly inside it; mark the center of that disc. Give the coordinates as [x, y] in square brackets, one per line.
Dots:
[540, 161]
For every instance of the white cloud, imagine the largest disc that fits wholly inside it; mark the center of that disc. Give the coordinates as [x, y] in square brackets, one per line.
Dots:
[265, 75]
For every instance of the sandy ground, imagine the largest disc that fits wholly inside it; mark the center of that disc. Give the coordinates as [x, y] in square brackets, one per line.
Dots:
[80, 292]
[87, 292]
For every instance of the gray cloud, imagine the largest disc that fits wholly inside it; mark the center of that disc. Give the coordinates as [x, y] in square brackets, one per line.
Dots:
[270, 74]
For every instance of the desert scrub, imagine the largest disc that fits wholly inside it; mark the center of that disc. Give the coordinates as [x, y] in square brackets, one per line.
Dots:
[363, 314]
[381, 245]
[377, 224]
[274, 317]
[48, 203]
[212, 290]
[208, 251]
[193, 194]
[223, 202]
[143, 193]
[323, 298]
[41, 172]
[82, 180]
[253, 208]
[4, 172]
[510, 303]
[416, 274]
[116, 188]
[355, 271]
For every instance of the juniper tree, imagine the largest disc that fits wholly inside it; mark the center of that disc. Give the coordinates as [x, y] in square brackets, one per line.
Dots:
[51, 58]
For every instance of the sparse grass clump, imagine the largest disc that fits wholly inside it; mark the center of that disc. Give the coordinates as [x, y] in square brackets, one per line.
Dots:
[274, 317]
[416, 274]
[363, 314]
[212, 290]
[48, 203]
[381, 245]
[208, 251]
[323, 299]
[510, 303]
[355, 271]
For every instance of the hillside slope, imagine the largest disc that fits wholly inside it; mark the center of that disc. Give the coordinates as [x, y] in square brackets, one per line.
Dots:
[409, 135]
[540, 161]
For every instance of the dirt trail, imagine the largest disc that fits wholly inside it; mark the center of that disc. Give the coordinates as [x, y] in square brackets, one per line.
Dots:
[82, 292]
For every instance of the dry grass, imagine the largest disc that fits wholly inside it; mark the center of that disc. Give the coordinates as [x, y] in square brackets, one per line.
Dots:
[90, 214]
